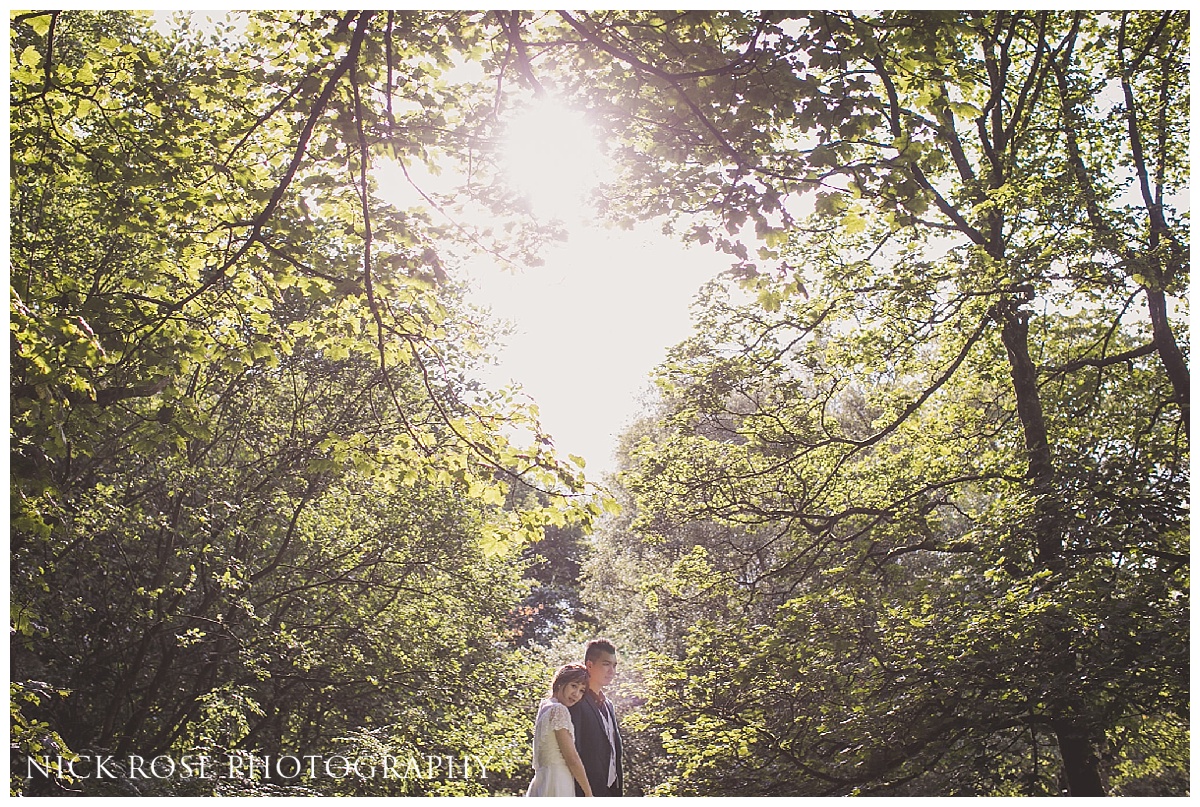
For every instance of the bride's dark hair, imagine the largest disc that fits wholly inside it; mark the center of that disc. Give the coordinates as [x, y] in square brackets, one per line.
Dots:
[569, 674]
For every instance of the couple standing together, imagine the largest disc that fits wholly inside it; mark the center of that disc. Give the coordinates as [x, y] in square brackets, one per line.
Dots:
[576, 740]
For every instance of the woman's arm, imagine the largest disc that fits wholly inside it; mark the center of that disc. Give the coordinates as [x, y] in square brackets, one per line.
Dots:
[566, 744]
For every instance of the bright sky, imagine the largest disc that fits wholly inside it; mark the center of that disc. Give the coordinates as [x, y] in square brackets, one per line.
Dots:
[599, 314]
[591, 324]
[595, 319]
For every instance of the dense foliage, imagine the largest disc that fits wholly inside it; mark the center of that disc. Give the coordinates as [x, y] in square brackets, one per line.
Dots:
[921, 478]
[258, 502]
[911, 515]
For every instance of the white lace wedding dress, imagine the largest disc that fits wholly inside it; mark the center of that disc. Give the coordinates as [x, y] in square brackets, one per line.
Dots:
[551, 776]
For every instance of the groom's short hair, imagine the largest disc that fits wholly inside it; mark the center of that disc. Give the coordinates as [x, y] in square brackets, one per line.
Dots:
[597, 646]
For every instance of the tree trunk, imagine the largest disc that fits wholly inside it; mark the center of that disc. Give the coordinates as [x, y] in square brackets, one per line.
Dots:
[1081, 763]
[1168, 350]
[1014, 333]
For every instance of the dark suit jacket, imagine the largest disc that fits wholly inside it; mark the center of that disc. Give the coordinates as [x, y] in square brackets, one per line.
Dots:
[591, 742]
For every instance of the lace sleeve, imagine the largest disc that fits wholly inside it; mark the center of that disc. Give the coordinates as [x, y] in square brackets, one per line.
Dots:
[560, 718]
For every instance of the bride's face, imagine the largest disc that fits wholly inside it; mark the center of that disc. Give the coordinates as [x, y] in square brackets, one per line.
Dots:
[569, 694]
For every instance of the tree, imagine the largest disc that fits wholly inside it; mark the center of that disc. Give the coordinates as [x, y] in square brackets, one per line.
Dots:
[868, 628]
[553, 601]
[950, 430]
[257, 495]
[968, 173]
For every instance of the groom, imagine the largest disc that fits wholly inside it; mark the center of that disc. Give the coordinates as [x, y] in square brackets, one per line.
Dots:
[597, 736]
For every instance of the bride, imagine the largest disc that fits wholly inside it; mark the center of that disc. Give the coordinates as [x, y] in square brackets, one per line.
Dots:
[556, 763]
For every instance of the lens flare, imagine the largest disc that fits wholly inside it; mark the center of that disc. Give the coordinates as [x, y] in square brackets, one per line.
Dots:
[551, 156]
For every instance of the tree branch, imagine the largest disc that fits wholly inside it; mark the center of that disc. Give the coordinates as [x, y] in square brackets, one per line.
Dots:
[738, 158]
[49, 72]
[512, 30]
[297, 157]
[1103, 361]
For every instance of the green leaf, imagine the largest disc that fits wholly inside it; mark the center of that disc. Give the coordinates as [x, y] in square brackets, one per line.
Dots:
[40, 24]
[853, 223]
[30, 57]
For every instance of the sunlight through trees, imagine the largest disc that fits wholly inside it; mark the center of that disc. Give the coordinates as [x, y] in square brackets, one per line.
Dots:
[907, 514]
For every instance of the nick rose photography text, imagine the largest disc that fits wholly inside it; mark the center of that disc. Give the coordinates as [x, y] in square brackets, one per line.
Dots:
[249, 766]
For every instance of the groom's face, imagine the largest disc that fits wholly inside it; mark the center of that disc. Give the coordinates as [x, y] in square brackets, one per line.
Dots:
[602, 669]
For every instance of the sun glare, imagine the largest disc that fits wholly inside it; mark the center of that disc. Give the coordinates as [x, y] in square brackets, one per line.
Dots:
[551, 156]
